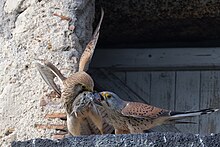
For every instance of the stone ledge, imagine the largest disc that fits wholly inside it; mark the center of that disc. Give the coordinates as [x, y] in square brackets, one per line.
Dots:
[150, 139]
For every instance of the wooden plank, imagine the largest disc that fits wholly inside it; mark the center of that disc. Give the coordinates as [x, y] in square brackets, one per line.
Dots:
[163, 93]
[210, 97]
[157, 59]
[121, 75]
[187, 98]
[163, 89]
[140, 83]
[106, 80]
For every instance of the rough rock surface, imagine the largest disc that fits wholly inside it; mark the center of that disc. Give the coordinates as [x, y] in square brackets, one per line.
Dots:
[151, 140]
[30, 30]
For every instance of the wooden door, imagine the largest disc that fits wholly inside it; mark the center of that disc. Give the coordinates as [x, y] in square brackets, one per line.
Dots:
[176, 79]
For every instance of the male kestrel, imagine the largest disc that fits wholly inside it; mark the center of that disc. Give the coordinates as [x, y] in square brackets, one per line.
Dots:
[135, 117]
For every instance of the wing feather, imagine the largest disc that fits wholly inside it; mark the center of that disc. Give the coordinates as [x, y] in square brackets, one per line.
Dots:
[89, 50]
[48, 77]
[140, 110]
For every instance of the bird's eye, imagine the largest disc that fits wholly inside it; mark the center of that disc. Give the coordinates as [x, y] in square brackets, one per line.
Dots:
[108, 96]
[83, 87]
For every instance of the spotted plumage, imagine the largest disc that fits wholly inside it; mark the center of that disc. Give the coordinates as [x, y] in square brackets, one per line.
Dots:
[135, 117]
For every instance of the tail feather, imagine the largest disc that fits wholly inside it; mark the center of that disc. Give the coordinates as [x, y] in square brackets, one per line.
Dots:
[177, 115]
[179, 122]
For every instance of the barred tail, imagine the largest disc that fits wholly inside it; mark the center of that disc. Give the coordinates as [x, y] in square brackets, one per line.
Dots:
[177, 115]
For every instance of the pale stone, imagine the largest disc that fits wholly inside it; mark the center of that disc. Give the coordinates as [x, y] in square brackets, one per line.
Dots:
[31, 32]
[12, 5]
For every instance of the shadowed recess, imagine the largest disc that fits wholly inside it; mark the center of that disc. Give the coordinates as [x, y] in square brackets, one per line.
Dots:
[160, 23]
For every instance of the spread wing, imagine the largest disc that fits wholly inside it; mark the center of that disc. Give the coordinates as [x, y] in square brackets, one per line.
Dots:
[48, 76]
[141, 110]
[89, 50]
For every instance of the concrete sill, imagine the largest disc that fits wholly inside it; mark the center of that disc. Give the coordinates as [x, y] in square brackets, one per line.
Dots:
[150, 139]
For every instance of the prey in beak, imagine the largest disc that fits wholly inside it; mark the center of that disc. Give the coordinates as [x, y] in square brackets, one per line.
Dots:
[98, 98]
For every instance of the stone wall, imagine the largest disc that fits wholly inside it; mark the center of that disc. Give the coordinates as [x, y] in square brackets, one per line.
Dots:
[30, 30]
[58, 31]
[140, 140]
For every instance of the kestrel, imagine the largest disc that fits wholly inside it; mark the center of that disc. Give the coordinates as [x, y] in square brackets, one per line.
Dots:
[74, 85]
[71, 87]
[135, 117]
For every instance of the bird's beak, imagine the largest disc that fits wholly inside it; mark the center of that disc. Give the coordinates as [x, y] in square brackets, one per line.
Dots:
[88, 89]
[97, 99]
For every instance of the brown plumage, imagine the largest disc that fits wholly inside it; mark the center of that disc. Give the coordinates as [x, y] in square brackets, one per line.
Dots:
[135, 117]
[142, 110]
[90, 117]
[72, 87]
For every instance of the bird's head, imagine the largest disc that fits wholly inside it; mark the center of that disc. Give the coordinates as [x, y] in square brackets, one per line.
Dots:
[80, 87]
[80, 81]
[109, 100]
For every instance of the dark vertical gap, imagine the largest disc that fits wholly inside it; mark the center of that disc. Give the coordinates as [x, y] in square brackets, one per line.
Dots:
[150, 88]
[126, 82]
[200, 94]
[175, 90]
[126, 79]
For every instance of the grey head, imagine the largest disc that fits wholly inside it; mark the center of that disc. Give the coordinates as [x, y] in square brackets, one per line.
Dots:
[109, 100]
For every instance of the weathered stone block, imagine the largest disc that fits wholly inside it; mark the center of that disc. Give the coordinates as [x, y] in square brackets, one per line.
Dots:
[151, 139]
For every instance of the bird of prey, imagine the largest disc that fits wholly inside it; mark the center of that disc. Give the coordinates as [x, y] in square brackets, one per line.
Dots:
[135, 117]
[74, 85]
[71, 87]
